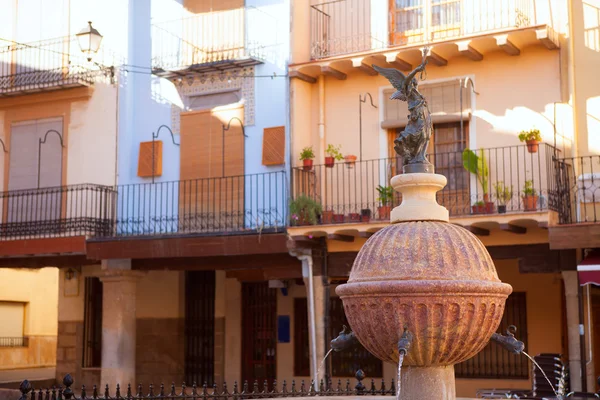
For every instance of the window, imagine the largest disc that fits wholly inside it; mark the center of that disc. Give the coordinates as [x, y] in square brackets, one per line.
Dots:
[11, 330]
[493, 362]
[92, 323]
[343, 364]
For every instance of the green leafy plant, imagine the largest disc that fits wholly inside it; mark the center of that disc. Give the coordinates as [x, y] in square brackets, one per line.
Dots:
[503, 193]
[528, 189]
[479, 204]
[386, 195]
[533, 134]
[477, 165]
[334, 151]
[307, 153]
[304, 209]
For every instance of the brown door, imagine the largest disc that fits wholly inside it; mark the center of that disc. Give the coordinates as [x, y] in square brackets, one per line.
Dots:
[259, 326]
[211, 192]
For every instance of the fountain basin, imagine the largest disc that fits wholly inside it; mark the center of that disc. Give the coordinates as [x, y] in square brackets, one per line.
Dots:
[433, 278]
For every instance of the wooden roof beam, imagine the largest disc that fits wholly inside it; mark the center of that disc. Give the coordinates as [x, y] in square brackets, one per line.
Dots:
[341, 237]
[330, 71]
[520, 230]
[302, 77]
[361, 65]
[465, 48]
[506, 45]
[397, 62]
[544, 36]
[436, 59]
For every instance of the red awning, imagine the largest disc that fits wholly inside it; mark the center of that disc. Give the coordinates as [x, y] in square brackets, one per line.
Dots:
[589, 269]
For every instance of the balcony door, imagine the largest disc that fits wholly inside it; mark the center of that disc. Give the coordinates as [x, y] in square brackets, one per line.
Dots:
[211, 192]
[35, 195]
[417, 21]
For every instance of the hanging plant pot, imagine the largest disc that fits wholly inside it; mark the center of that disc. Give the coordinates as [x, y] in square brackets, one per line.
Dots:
[329, 162]
[532, 145]
[307, 164]
[350, 161]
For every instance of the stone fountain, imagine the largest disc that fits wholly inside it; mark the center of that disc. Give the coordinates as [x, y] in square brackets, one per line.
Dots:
[422, 275]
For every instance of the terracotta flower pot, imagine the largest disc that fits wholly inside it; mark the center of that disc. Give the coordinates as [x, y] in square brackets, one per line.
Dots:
[354, 217]
[327, 217]
[530, 203]
[338, 218]
[489, 207]
[478, 209]
[532, 146]
[350, 161]
[307, 164]
[365, 215]
[384, 212]
[329, 162]
[502, 209]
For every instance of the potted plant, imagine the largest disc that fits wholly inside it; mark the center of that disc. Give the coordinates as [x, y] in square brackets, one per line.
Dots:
[386, 196]
[478, 207]
[504, 194]
[350, 160]
[477, 165]
[354, 217]
[327, 217]
[333, 155]
[304, 211]
[338, 218]
[532, 138]
[306, 156]
[365, 215]
[530, 197]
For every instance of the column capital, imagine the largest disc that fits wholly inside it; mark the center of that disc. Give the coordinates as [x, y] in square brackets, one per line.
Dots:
[117, 275]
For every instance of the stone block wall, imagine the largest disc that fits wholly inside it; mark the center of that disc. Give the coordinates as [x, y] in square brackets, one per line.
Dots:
[219, 350]
[69, 355]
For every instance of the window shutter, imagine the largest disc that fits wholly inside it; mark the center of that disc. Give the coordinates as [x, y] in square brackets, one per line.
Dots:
[274, 146]
[145, 159]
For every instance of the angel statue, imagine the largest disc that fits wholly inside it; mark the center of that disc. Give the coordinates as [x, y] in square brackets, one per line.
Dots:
[412, 142]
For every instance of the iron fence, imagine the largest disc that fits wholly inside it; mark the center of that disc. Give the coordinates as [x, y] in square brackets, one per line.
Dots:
[516, 181]
[71, 210]
[246, 391]
[347, 26]
[577, 195]
[49, 64]
[233, 204]
[213, 37]
[21, 341]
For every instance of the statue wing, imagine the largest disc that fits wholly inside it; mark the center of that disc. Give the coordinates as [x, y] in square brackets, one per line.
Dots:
[393, 75]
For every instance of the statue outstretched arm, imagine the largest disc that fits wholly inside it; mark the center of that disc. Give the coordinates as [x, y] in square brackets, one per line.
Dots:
[414, 72]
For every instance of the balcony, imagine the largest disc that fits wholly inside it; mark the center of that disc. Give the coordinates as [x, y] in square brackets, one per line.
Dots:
[63, 211]
[341, 27]
[517, 185]
[48, 65]
[210, 206]
[212, 41]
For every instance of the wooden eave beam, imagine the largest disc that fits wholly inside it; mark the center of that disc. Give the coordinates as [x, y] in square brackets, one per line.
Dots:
[475, 230]
[505, 44]
[520, 230]
[330, 71]
[436, 59]
[543, 35]
[341, 237]
[397, 62]
[302, 77]
[469, 51]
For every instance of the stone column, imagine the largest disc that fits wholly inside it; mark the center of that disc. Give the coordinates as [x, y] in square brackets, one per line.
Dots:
[572, 307]
[118, 323]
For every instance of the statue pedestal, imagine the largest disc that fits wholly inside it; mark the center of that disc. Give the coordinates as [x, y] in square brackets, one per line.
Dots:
[428, 383]
[419, 198]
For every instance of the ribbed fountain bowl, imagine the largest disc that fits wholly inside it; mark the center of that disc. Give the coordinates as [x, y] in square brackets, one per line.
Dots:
[433, 278]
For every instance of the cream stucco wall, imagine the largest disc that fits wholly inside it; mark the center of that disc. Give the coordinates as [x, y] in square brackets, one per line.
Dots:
[37, 290]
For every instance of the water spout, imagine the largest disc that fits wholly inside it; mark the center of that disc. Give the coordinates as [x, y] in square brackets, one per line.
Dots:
[509, 342]
[345, 340]
[405, 342]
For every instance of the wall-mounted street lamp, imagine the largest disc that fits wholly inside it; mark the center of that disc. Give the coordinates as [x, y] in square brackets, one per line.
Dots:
[89, 40]
[40, 143]
[223, 140]
[154, 137]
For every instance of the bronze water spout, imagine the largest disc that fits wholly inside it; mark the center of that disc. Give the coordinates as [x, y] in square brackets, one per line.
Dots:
[344, 341]
[509, 342]
[405, 342]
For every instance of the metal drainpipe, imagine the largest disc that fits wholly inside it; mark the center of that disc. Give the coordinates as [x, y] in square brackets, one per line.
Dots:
[312, 312]
[321, 118]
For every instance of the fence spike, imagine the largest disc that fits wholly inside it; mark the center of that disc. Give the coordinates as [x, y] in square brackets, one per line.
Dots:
[194, 390]
[284, 388]
[183, 392]
[393, 387]
[106, 394]
[118, 392]
[245, 387]
[274, 390]
[293, 386]
[204, 391]
[265, 386]
[339, 385]
[225, 390]
[302, 387]
[173, 394]
[255, 387]
[382, 386]
[150, 390]
[83, 394]
[214, 392]
[162, 390]
[235, 387]
[68, 381]
[94, 392]
[25, 387]
[60, 393]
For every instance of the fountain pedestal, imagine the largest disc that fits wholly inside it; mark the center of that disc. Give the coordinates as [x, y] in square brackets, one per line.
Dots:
[428, 276]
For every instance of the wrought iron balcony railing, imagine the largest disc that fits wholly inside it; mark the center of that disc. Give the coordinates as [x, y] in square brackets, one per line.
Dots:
[577, 197]
[233, 204]
[49, 65]
[74, 210]
[241, 36]
[347, 26]
[517, 181]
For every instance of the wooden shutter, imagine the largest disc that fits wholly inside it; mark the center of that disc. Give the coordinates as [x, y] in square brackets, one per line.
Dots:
[274, 146]
[212, 191]
[146, 156]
